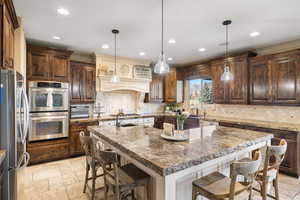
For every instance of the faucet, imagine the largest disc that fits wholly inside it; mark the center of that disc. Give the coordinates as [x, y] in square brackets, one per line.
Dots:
[118, 123]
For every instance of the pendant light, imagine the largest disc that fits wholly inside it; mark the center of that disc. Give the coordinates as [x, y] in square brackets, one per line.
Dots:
[227, 75]
[162, 66]
[115, 78]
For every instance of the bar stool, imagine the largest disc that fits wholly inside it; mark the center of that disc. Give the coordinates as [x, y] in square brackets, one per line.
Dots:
[92, 163]
[269, 173]
[217, 186]
[122, 180]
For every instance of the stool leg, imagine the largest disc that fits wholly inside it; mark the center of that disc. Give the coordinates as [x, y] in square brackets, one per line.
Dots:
[275, 184]
[94, 182]
[87, 169]
[264, 191]
[132, 193]
[194, 193]
[148, 190]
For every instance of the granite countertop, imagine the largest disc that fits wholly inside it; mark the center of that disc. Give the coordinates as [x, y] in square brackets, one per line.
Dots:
[2, 155]
[257, 123]
[165, 157]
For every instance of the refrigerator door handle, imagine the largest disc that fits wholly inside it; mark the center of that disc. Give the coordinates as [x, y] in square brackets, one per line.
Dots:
[26, 120]
[24, 161]
[19, 99]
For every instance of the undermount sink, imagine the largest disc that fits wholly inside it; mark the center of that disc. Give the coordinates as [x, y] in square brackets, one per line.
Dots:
[128, 125]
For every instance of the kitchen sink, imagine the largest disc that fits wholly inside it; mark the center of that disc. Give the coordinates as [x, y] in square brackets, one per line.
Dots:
[128, 125]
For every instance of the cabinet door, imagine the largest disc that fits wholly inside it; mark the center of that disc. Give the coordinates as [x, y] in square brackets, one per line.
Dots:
[76, 83]
[219, 87]
[170, 86]
[260, 82]
[238, 87]
[286, 77]
[156, 89]
[38, 66]
[60, 68]
[8, 40]
[89, 84]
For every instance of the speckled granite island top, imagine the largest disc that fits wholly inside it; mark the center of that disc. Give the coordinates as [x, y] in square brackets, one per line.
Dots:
[2, 155]
[166, 157]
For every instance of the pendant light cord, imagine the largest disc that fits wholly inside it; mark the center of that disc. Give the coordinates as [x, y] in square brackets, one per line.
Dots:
[162, 27]
[115, 54]
[226, 45]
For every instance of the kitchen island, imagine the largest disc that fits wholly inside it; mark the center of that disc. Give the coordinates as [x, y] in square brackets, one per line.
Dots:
[174, 165]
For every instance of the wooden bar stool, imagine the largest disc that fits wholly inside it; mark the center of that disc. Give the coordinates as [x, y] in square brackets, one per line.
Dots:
[217, 186]
[269, 173]
[122, 180]
[92, 163]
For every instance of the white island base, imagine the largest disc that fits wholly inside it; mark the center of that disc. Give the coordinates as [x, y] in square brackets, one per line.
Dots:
[178, 186]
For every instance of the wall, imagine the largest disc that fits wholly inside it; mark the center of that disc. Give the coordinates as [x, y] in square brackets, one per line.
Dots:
[128, 101]
[290, 114]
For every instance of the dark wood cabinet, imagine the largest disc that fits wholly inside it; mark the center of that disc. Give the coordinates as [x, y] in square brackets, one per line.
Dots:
[43, 151]
[286, 78]
[220, 90]
[75, 129]
[194, 72]
[83, 82]
[236, 90]
[191, 122]
[170, 86]
[44, 63]
[275, 79]
[8, 24]
[260, 82]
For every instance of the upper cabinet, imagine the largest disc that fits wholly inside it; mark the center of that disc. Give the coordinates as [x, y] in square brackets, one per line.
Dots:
[48, 64]
[83, 82]
[170, 86]
[260, 82]
[235, 91]
[275, 79]
[8, 23]
[156, 90]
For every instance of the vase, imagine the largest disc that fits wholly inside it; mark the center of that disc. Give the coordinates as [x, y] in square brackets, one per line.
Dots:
[180, 124]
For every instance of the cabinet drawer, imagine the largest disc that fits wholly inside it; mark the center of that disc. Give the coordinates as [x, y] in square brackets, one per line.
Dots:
[44, 153]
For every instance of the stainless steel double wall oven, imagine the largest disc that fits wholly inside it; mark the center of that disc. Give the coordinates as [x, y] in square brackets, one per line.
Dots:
[49, 110]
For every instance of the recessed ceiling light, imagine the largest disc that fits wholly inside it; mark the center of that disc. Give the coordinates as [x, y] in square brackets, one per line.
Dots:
[254, 34]
[105, 46]
[142, 53]
[63, 11]
[172, 41]
[56, 38]
[170, 59]
[202, 49]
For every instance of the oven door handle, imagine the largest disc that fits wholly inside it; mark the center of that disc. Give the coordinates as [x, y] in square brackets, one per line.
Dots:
[49, 118]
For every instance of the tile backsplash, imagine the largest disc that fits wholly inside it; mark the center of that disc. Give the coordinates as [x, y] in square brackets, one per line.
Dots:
[290, 114]
[128, 101]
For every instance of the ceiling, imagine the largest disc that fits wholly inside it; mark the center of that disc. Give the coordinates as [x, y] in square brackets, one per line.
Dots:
[193, 24]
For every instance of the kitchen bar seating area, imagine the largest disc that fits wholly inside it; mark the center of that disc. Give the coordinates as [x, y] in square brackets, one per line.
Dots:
[149, 100]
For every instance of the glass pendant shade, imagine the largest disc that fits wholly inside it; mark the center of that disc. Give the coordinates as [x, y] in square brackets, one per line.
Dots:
[161, 66]
[227, 75]
[115, 79]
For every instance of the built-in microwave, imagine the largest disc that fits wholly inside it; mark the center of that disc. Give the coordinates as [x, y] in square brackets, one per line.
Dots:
[48, 125]
[48, 96]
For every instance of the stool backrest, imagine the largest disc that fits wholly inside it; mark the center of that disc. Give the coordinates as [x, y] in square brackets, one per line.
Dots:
[109, 163]
[273, 159]
[87, 145]
[247, 169]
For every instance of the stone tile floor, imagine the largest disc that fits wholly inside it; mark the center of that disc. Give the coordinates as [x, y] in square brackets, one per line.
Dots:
[63, 180]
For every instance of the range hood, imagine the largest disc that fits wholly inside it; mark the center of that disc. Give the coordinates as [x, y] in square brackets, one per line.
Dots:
[135, 75]
[104, 85]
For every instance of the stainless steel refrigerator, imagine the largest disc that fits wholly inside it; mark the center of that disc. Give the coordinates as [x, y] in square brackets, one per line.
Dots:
[14, 121]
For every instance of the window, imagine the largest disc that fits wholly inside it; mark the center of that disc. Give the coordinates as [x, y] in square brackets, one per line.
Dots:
[199, 91]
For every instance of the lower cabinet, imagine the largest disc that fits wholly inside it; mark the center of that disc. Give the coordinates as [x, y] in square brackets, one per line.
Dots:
[42, 151]
[191, 122]
[75, 129]
[291, 162]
